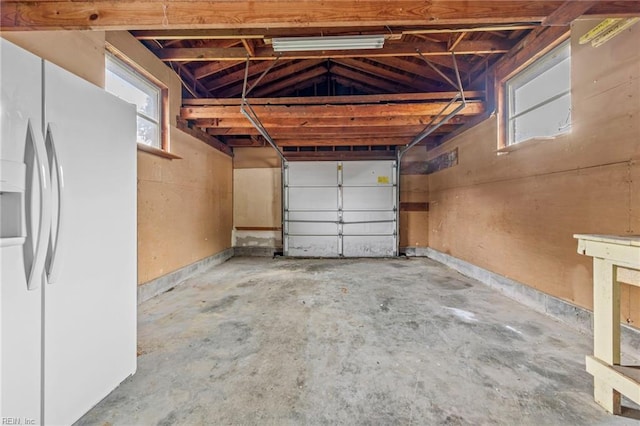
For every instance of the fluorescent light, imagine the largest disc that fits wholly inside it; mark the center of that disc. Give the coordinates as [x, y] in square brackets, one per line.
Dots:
[305, 44]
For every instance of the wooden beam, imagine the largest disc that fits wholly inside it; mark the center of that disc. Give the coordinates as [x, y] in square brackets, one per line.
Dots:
[368, 79]
[271, 123]
[447, 61]
[262, 33]
[246, 142]
[257, 141]
[302, 85]
[258, 228]
[328, 132]
[533, 46]
[273, 75]
[454, 40]
[337, 100]
[315, 111]
[346, 82]
[214, 67]
[469, 29]
[420, 69]
[251, 33]
[237, 76]
[406, 206]
[294, 80]
[339, 155]
[567, 13]
[184, 74]
[249, 45]
[474, 47]
[227, 14]
[337, 141]
[204, 137]
[409, 81]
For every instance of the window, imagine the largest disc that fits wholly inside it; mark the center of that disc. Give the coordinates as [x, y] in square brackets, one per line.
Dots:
[539, 98]
[128, 84]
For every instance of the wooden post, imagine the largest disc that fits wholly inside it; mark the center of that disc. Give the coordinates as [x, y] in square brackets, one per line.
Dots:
[606, 329]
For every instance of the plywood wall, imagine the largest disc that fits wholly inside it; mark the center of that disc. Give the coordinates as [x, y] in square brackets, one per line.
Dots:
[515, 213]
[414, 225]
[184, 206]
[257, 206]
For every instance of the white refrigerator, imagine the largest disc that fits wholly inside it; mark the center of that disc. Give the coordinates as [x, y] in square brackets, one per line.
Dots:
[67, 241]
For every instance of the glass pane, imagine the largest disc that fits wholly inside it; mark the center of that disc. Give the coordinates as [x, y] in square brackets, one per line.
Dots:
[148, 133]
[551, 82]
[551, 119]
[131, 88]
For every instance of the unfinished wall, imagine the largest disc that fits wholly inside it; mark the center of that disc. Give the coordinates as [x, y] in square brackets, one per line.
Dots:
[414, 189]
[515, 213]
[184, 206]
[257, 202]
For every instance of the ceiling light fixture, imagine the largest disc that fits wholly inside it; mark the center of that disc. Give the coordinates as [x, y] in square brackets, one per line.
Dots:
[306, 44]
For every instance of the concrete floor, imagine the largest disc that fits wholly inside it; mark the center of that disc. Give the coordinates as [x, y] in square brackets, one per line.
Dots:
[385, 341]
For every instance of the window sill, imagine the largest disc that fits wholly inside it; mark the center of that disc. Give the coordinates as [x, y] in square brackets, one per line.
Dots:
[527, 143]
[158, 152]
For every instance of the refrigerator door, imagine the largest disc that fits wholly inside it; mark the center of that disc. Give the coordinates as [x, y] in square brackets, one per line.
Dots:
[20, 308]
[90, 308]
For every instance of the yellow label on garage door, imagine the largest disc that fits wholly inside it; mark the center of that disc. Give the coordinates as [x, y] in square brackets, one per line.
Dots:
[383, 179]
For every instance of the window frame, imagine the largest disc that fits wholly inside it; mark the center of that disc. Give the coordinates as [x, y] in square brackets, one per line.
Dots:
[525, 75]
[145, 77]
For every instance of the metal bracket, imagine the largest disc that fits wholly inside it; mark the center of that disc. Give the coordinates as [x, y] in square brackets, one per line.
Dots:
[436, 122]
[248, 111]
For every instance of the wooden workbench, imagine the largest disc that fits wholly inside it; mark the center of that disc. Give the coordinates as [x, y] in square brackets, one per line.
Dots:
[610, 379]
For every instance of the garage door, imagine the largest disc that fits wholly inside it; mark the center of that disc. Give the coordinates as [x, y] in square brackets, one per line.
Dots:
[340, 208]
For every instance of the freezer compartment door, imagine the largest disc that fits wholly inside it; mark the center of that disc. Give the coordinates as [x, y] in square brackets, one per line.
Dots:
[90, 308]
[20, 309]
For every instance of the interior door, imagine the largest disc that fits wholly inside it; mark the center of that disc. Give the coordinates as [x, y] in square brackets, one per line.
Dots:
[90, 303]
[340, 208]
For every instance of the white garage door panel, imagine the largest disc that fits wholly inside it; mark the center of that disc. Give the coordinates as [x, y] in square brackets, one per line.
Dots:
[313, 173]
[357, 223]
[368, 198]
[374, 246]
[367, 173]
[313, 246]
[310, 198]
[335, 208]
[313, 223]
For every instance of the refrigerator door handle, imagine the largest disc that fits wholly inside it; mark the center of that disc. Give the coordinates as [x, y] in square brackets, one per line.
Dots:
[36, 272]
[54, 253]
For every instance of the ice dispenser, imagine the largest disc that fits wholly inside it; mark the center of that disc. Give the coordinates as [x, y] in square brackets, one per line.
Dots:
[12, 187]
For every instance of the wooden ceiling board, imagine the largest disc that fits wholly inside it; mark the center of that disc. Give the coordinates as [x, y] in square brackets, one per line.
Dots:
[208, 48]
[186, 14]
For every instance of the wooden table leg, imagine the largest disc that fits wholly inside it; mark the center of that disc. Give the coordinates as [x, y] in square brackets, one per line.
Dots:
[606, 329]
